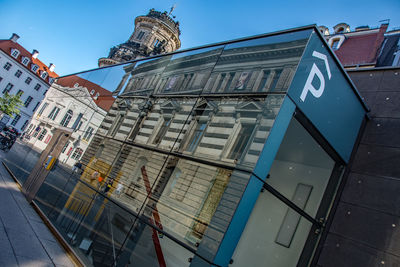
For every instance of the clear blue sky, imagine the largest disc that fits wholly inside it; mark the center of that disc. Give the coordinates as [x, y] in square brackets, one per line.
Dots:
[74, 34]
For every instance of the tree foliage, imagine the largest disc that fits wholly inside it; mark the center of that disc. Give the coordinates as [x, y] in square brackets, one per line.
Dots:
[10, 104]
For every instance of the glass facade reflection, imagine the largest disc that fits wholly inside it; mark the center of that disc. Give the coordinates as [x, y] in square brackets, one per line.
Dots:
[167, 175]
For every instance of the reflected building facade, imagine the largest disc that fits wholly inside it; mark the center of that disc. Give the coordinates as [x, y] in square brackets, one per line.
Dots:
[208, 151]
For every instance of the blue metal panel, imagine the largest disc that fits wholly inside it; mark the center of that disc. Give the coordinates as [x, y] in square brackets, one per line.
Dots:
[322, 92]
[243, 211]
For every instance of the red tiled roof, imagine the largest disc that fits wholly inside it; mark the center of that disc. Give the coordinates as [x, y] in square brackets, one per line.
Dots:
[362, 48]
[7, 45]
[105, 98]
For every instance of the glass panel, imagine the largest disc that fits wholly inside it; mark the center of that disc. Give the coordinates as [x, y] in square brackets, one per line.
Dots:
[265, 64]
[21, 158]
[102, 232]
[230, 130]
[186, 197]
[274, 232]
[163, 122]
[144, 77]
[189, 72]
[301, 162]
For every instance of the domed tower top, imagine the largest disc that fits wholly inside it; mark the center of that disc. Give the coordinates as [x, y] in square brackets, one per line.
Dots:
[155, 33]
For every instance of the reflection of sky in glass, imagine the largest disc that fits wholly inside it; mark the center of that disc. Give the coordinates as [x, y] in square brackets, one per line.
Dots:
[108, 78]
[194, 52]
[280, 38]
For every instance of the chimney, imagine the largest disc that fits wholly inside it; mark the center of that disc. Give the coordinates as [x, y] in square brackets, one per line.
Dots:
[14, 37]
[35, 53]
[52, 67]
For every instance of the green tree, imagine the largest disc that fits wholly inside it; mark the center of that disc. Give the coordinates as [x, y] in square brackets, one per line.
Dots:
[10, 104]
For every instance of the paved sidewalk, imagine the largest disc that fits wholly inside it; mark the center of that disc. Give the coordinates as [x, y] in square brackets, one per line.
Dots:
[24, 239]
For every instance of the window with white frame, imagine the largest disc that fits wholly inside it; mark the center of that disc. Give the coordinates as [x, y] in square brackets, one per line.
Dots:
[65, 147]
[51, 80]
[7, 66]
[92, 92]
[42, 134]
[242, 139]
[162, 130]
[96, 96]
[196, 136]
[18, 73]
[43, 75]
[15, 53]
[25, 61]
[8, 88]
[45, 105]
[54, 112]
[34, 67]
[77, 153]
[37, 87]
[88, 134]
[15, 120]
[67, 117]
[28, 101]
[28, 80]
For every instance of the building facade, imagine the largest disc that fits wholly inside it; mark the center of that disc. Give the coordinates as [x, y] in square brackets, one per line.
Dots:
[155, 33]
[72, 104]
[229, 154]
[23, 74]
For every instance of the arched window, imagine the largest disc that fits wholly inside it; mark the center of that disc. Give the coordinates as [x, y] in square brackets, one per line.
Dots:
[67, 118]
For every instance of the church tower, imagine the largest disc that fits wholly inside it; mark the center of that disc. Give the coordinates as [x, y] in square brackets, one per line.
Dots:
[155, 33]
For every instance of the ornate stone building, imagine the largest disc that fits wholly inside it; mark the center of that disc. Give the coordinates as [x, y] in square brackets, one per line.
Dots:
[155, 33]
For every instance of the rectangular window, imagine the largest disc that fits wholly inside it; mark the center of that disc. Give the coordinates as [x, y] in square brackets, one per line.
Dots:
[275, 80]
[8, 88]
[34, 68]
[7, 66]
[37, 87]
[15, 120]
[24, 125]
[28, 101]
[36, 106]
[196, 137]
[28, 80]
[114, 129]
[77, 121]
[42, 134]
[335, 44]
[43, 75]
[45, 105]
[54, 112]
[263, 81]
[79, 125]
[15, 53]
[20, 93]
[242, 139]
[25, 61]
[163, 130]
[140, 35]
[88, 134]
[18, 73]
[65, 147]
